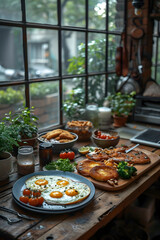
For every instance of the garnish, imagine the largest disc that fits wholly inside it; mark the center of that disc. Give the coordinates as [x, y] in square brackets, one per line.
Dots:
[62, 165]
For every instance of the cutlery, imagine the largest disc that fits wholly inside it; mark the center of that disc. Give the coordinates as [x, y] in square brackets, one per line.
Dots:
[10, 220]
[130, 149]
[17, 213]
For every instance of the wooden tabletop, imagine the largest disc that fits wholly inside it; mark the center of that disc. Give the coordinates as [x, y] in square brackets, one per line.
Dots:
[80, 224]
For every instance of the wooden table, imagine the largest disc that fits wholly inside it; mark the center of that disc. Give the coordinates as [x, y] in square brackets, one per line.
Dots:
[81, 224]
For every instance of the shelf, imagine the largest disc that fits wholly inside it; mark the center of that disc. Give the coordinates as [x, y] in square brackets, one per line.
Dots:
[155, 16]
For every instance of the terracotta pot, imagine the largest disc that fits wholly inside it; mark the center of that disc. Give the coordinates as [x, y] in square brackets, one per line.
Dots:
[119, 121]
[29, 141]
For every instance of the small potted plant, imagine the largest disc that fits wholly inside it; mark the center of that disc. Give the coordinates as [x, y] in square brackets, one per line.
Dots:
[121, 106]
[9, 138]
[27, 124]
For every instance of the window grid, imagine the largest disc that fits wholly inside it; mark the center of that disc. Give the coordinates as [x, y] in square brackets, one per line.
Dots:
[25, 25]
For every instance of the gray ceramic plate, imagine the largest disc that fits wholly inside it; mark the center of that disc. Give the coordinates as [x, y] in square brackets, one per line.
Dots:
[58, 147]
[46, 208]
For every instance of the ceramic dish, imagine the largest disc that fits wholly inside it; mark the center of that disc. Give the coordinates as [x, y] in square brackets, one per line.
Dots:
[57, 147]
[46, 208]
[106, 143]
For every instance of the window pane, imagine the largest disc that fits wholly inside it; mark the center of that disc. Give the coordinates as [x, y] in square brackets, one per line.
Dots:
[11, 57]
[97, 14]
[155, 30]
[111, 83]
[73, 54]
[158, 50]
[116, 15]
[41, 11]
[96, 52]
[45, 99]
[96, 89]
[73, 13]
[73, 98]
[11, 98]
[153, 73]
[154, 48]
[10, 10]
[42, 53]
[113, 42]
[158, 75]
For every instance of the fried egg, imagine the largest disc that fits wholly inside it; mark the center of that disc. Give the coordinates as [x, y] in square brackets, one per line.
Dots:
[71, 193]
[57, 189]
[38, 183]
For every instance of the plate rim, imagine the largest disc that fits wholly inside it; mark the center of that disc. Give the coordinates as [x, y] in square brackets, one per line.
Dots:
[68, 208]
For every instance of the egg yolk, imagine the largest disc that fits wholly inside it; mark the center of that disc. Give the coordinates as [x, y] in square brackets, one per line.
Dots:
[62, 183]
[56, 194]
[71, 192]
[41, 182]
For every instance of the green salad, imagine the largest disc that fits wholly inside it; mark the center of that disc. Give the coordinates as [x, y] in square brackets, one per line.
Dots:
[62, 165]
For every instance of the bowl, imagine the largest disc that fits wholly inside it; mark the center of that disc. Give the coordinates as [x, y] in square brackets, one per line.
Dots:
[105, 143]
[57, 146]
[82, 128]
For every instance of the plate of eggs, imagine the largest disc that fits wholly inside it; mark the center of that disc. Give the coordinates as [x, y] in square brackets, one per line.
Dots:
[53, 192]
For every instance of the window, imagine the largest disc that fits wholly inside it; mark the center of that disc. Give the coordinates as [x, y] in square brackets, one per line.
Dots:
[50, 48]
[156, 53]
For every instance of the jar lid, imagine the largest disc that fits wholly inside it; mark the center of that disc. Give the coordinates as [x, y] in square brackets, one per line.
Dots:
[45, 145]
[25, 150]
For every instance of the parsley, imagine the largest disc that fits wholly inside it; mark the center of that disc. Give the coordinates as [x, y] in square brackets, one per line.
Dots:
[62, 165]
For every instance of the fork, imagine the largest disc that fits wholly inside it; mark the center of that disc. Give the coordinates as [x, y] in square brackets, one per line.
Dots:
[10, 220]
[15, 212]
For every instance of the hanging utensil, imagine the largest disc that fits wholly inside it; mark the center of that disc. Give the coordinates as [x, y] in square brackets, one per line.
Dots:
[137, 32]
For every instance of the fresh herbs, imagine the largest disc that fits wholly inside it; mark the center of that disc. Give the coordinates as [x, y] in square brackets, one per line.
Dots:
[62, 165]
[125, 171]
[8, 138]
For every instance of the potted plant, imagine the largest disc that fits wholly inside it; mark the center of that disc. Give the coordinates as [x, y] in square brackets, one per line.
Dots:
[9, 138]
[26, 123]
[121, 106]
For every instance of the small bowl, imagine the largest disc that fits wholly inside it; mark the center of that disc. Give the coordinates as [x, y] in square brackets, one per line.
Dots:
[57, 146]
[106, 143]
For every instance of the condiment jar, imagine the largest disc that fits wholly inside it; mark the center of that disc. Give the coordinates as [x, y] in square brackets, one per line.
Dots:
[25, 160]
[45, 154]
[104, 118]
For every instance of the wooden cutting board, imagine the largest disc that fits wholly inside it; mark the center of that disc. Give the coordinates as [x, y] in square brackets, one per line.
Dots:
[141, 169]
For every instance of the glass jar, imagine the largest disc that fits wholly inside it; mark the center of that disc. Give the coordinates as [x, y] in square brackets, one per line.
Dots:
[45, 154]
[92, 114]
[104, 118]
[25, 160]
[82, 128]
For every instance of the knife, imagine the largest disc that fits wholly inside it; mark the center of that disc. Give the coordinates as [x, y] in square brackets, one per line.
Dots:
[17, 213]
[130, 149]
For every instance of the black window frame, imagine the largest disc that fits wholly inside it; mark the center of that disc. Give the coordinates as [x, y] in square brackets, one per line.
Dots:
[27, 81]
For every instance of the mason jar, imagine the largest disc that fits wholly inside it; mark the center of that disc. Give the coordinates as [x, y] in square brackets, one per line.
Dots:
[92, 114]
[25, 160]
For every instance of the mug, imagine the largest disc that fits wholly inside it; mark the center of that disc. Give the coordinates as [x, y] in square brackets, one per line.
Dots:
[6, 166]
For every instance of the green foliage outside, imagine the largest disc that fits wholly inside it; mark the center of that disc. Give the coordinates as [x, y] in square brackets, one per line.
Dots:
[10, 96]
[74, 104]
[96, 94]
[42, 89]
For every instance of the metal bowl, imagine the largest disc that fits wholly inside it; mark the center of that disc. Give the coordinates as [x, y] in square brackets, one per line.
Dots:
[57, 146]
[106, 143]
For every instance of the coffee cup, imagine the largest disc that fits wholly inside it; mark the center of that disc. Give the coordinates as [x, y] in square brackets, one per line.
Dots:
[6, 165]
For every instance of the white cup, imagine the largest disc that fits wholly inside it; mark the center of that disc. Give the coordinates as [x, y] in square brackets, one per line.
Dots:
[6, 166]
